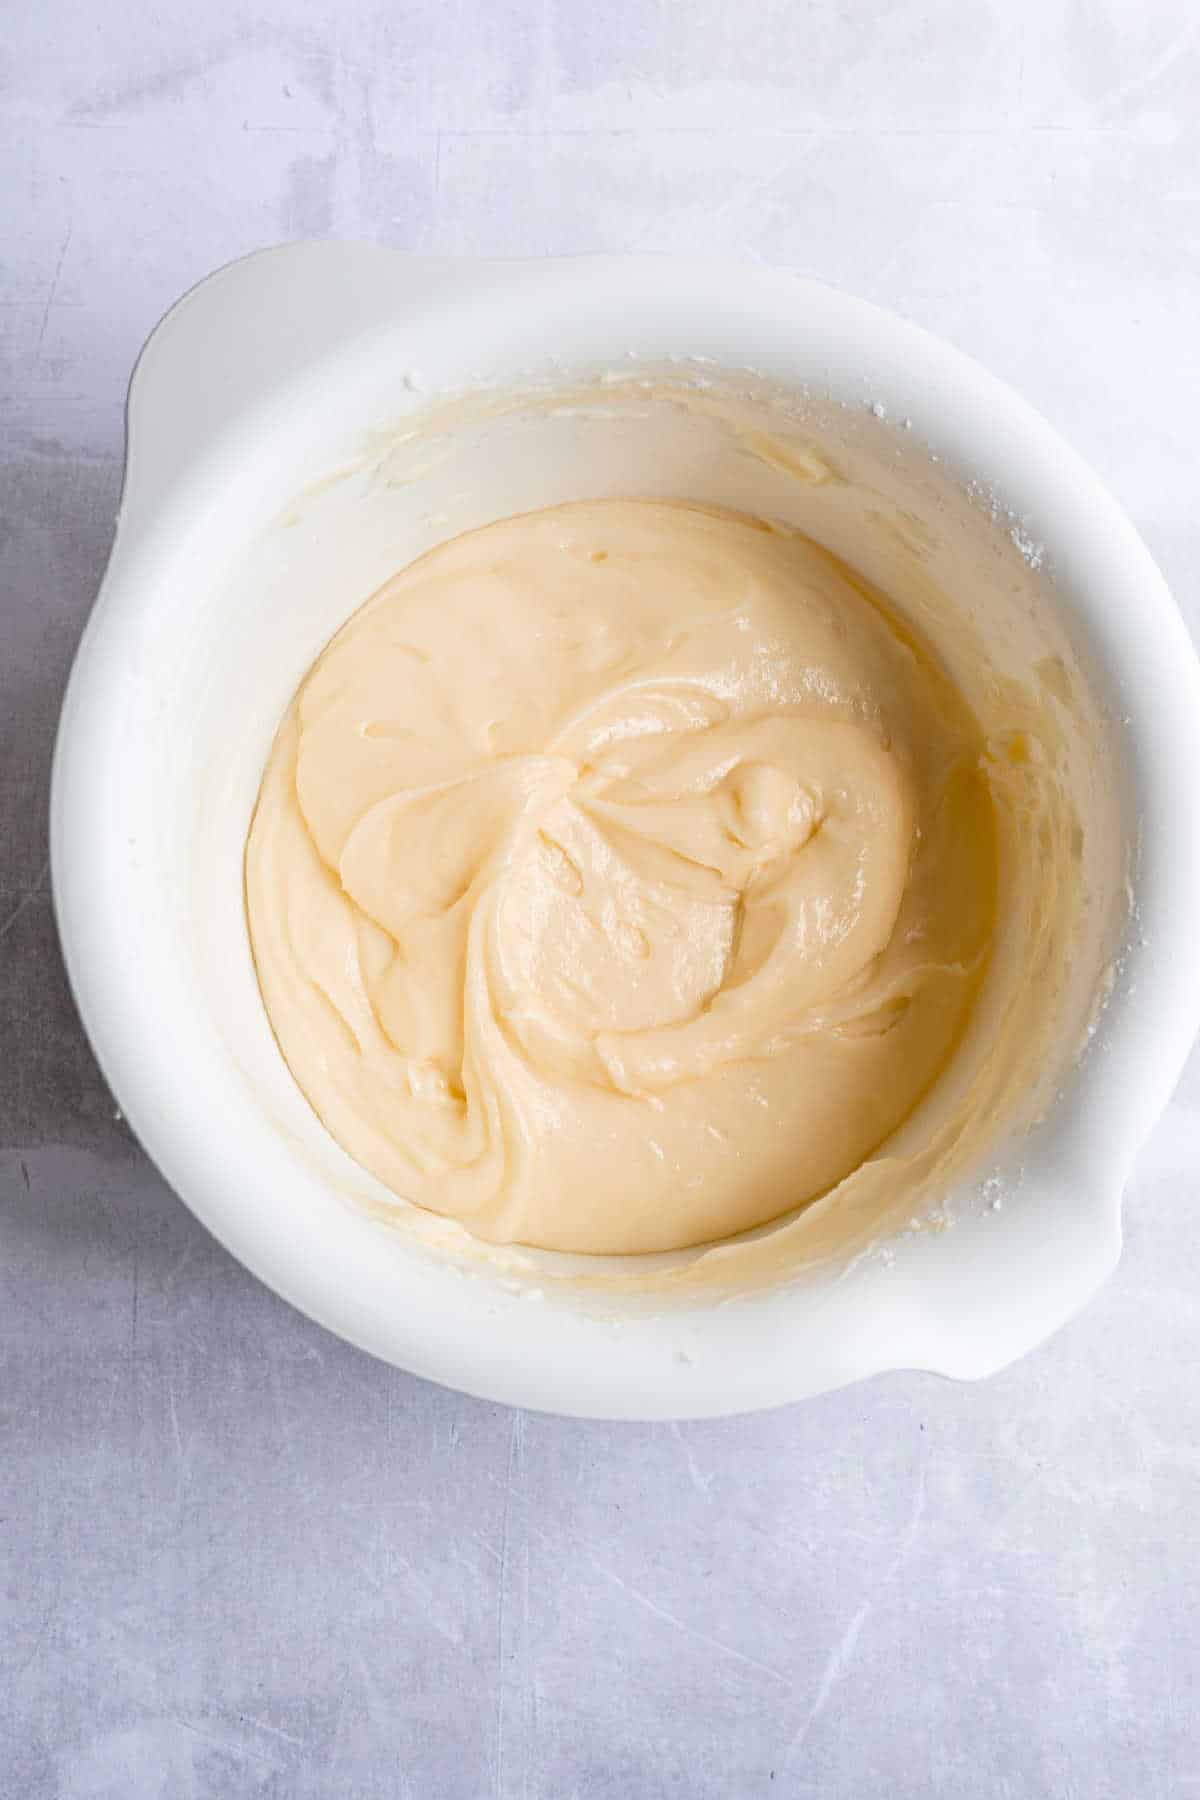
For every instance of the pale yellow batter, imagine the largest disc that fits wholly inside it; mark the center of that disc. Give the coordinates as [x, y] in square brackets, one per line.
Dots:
[622, 876]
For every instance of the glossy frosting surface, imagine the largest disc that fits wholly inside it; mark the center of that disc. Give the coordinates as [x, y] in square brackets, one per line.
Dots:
[622, 876]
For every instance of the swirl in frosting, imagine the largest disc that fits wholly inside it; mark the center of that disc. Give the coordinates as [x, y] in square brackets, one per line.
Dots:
[622, 876]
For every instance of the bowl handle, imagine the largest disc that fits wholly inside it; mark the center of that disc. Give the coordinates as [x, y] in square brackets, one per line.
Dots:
[243, 332]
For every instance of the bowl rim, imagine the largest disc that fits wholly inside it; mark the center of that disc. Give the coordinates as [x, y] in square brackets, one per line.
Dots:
[747, 1356]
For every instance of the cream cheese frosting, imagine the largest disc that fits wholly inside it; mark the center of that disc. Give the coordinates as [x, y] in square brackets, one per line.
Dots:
[623, 875]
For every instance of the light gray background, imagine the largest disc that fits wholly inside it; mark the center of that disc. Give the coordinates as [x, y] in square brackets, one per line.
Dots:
[238, 1558]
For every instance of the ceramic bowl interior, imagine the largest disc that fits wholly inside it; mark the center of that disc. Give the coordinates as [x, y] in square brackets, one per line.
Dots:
[312, 419]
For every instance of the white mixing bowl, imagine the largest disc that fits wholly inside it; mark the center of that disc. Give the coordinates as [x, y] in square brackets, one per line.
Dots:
[274, 478]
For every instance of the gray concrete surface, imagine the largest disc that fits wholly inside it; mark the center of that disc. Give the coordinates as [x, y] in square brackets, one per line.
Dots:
[240, 1559]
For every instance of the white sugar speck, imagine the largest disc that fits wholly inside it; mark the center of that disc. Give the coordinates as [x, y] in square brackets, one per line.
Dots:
[1032, 552]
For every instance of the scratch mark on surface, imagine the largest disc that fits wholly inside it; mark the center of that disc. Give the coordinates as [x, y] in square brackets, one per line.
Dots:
[54, 280]
[528, 1706]
[1154, 71]
[836, 1667]
[174, 1418]
[516, 1445]
[428, 1599]
[634, 1593]
[840, 1658]
[25, 901]
[911, 1530]
[180, 1452]
[39, 1639]
[289, 1737]
[25, 1173]
[224, 1741]
[179, 1264]
[747, 194]
[701, 1637]
[641, 1598]
[378, 1710]
[700, 1482]
[133, 1386]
